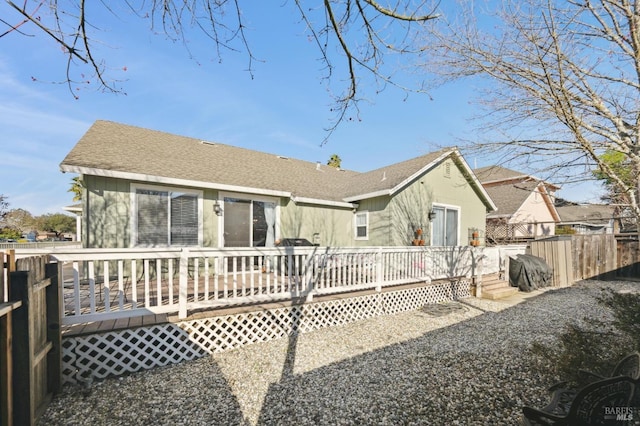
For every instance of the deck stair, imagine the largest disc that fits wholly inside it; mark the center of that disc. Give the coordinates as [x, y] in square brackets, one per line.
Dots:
[495, 287]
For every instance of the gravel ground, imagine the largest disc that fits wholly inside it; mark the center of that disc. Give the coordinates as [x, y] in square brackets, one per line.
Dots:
[463, 363]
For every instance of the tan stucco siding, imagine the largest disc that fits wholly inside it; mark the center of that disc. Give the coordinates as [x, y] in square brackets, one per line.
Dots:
[535, 211]
[327, 226]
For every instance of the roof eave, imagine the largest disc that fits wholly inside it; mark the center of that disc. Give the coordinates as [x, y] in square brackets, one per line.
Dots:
[491, 207]
[603, 223]
[171, 181]
[306, 200]
[549, 201]
[354, 198]
[420, 172]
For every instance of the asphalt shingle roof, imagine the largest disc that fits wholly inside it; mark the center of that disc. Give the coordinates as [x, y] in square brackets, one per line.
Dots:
[118, 147]
[497, 173]
[509, 197]
[588, 213]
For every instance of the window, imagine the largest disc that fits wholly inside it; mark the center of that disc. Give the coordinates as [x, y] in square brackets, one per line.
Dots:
[166, 218]
[445, 226]
[361, 221]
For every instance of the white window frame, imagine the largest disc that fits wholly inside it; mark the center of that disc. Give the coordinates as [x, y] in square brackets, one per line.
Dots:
[366, 225]
[134, 211]
[459, 215]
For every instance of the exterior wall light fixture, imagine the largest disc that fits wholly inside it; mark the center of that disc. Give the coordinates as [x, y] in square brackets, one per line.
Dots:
[217, 208]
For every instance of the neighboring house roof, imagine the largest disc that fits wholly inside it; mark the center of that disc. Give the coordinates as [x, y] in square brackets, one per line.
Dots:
[497, 175]
[509, 189]
[73, 208]
[134, 153]
[510, 197]
[588, 214]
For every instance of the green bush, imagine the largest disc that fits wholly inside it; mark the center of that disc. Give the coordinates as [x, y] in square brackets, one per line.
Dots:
[565, 230]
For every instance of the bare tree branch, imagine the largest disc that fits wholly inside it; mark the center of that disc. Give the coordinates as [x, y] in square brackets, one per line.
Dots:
[562, 82]
[364, 32]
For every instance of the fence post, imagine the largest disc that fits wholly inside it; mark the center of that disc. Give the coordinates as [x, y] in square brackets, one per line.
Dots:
[9, 265]
[23, 402]
[478, 264]
[6, 340]
[183, 283]
[54, 357]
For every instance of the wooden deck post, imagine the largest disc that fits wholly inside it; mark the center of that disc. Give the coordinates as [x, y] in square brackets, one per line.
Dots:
[308, 277]
[183, 283]
[379, 270]
[478, 263]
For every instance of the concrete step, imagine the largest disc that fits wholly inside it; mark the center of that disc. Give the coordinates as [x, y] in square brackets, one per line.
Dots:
[491, 277]
[495, 288]
[499, 293]
[489, 285]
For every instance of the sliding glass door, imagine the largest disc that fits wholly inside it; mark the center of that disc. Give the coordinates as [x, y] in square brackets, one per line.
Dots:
[445, 226]
[249, 223]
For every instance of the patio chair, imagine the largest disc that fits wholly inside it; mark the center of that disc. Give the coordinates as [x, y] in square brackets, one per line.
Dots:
[629, 366]
[592, 405]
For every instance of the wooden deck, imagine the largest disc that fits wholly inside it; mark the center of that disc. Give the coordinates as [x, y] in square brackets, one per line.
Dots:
[110, 325]
[149, 320]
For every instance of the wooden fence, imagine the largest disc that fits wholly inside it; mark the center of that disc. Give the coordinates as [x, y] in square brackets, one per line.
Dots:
[582, 257]
[558, 253]
[30, 340]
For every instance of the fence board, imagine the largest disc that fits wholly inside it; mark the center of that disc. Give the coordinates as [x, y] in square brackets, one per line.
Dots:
[628, 259]
[558, 255]
[596, 256]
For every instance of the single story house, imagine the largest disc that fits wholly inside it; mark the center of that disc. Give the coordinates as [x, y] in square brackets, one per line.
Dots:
[525, 204]
[586, 218]
[146, 188]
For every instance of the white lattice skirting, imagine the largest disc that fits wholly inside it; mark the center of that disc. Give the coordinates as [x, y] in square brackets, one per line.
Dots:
[113, 353]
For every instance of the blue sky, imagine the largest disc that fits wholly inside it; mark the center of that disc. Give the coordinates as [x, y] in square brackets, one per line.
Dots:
[283, 110]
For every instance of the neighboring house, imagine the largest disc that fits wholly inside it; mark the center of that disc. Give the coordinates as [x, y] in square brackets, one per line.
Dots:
[145, 188]
[525, 205]
[76, 209]
[585, 218]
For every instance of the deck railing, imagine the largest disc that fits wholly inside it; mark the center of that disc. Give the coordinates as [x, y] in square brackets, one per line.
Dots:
[100, 284]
